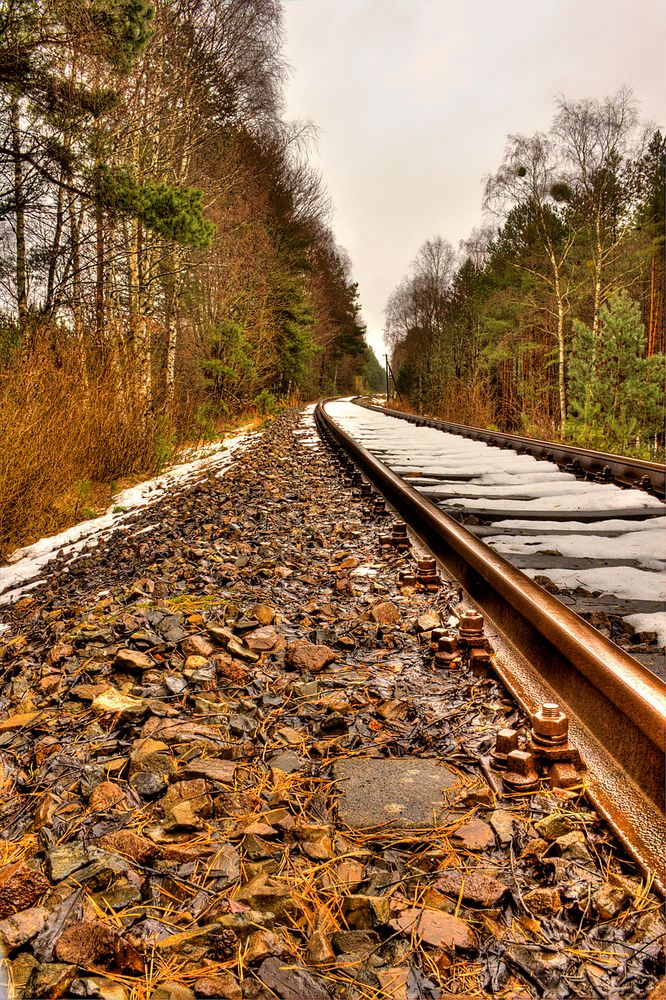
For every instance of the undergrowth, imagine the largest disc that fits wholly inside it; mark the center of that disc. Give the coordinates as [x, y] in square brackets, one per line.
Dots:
[69, 442]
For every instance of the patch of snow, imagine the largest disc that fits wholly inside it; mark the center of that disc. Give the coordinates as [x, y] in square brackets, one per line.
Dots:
[650, 623]
[26, 563]
[643, 547]
[593, 500]
[619, 526]
[624, 582]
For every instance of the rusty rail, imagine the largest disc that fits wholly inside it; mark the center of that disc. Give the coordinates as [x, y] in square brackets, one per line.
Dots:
[632, 472]
[545, 652]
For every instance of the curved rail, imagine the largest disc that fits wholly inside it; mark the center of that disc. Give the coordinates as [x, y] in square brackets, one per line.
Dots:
[633, 472]
[546, 652]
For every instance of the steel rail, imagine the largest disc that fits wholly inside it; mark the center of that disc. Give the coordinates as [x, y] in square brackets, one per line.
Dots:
[633, 472]
[546, 652]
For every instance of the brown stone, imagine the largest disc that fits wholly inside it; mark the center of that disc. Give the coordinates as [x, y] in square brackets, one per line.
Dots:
[51, 980]
[543, 902]
[24, 719]
[319, 949]
[221, 985]
[193, 792]
[384, 613]
[475, 835]
[21, 927]
[262, 639]
[130, 845]
[442, 930]
[132, 659]
[393, 983]
[20, 887]
[106, 795]
[263, 613]
[196, 645]
[262, 944]
[477, 889]
[87, 943]
[211, 768]
[304, 656]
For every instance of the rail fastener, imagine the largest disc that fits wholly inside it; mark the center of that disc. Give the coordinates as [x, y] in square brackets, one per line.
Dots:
[520, 774]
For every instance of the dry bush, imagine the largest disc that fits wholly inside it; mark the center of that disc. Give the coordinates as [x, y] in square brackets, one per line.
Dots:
[467, 403]
[61, 431]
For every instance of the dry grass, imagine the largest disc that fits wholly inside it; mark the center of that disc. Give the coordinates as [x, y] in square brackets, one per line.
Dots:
[60, 434]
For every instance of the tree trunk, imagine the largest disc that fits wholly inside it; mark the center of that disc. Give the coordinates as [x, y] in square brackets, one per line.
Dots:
[19, 203]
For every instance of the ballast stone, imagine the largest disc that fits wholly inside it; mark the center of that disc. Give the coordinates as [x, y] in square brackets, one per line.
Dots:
[401, 791]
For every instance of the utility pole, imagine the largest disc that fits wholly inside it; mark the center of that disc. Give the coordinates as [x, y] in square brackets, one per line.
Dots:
[388, 386]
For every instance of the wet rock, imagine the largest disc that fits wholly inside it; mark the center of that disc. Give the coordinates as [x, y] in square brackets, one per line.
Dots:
[543, 902]
[355, 942]
[306, 657]
[436, 928]
[554, 826]
[572, 846]
[502, 823]
[384, 613]
[112, 702]
[287, 762]
[428, 621]
[365, 912]
[51, 980]
[475, 835]
[196, 645]
[130, 845]
[404, 791]
[544, 966]
[20, 887]
[290, 983]
[221, 985]
[172, 991]
[393, 983]
[477, 889]
[262, 944]
[106, 796]
[609, 901]
[22, 926]
[132, 660]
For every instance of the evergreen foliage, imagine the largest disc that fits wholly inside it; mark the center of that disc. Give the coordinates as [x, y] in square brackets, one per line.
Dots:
[616, 394]
[573, 242]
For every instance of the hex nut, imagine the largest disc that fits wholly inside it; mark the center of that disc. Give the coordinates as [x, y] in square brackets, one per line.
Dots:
[550, 722]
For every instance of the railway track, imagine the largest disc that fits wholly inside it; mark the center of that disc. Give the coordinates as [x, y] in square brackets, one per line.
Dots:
[542, 649]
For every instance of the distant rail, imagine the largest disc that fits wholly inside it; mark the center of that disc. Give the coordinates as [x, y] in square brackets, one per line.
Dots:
[548, 653]
[598, 465]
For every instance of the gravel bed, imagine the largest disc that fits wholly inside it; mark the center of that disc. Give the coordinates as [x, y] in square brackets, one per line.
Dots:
[188, 714]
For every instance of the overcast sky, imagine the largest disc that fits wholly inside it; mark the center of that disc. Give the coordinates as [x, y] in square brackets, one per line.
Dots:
[413, 100]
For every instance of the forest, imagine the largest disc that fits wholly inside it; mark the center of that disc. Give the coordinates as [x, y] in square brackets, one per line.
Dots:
[166, 256]
[549, 319]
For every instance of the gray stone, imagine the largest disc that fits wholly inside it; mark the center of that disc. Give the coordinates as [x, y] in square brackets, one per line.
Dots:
[287, 762]
[403, 791]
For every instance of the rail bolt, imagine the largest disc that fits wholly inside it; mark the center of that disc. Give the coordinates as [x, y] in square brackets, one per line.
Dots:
[520, 774]
[550, 723]
[505, 742]
[435, 636]
[471, 626]
[448, 652]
